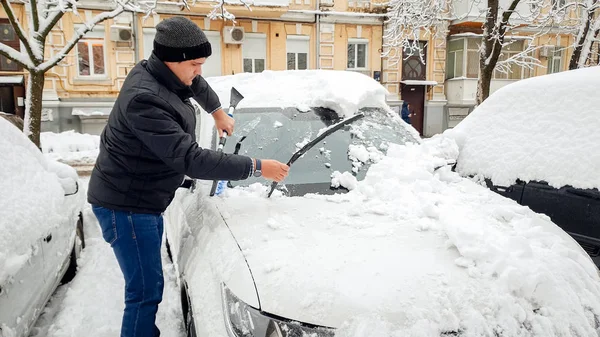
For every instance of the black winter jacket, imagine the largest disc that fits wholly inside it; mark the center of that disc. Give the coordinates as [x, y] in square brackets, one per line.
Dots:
[149, 143]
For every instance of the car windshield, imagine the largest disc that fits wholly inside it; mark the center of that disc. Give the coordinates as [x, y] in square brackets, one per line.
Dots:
[277, 133]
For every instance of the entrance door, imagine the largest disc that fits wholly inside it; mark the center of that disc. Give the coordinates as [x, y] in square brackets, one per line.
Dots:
[414, 69]
[415, 95]
[7, 100]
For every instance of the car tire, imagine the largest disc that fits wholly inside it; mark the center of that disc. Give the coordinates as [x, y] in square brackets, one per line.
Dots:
[188, 314]
[78, 245]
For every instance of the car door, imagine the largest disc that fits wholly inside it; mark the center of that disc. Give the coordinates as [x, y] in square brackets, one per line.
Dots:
[576, 211]
[21, 295]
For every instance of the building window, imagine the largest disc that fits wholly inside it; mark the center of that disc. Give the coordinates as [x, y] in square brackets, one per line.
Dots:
[297, 52]
[463, 60]
[555, 62]
[254, 53]
[357, 54]
[515, 71]
[9, 38]
[148, 37]
[556, 4]
[91, 56]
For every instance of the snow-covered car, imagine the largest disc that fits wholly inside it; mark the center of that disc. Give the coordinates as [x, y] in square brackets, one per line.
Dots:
[371, 234]
[41, 229]
[537, 141]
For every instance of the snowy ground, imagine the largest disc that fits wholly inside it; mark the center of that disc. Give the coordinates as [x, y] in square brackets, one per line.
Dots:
[92, 304]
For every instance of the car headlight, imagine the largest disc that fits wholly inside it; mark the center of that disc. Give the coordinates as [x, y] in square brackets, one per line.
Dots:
[242, 320]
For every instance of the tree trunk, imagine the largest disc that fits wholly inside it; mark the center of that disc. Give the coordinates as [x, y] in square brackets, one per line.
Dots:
[574, 62]
[33, 106]
[485, 81]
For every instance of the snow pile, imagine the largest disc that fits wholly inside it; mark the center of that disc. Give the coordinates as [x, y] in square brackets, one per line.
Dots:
[30, 201]
[345, 179]
[70, 147]
[342, 91]
[543, 128]
[417, 251]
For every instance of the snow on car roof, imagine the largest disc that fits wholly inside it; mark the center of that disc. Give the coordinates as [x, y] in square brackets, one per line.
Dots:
[30, 200]
[343, 91]
[543, 128]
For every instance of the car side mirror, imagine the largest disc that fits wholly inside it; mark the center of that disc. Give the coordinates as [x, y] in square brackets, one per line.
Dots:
[70, 186]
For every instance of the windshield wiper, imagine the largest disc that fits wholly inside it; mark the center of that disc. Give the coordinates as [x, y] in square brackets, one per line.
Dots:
[315, 141]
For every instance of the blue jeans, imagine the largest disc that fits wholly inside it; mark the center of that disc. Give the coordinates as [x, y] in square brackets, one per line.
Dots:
[136, 241]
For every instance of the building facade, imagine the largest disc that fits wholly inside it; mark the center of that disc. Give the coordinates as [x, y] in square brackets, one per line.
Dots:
[274, 35]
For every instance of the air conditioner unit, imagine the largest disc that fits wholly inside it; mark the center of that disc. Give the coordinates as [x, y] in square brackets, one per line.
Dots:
[120, 34]
[234, 35]
[547, 51]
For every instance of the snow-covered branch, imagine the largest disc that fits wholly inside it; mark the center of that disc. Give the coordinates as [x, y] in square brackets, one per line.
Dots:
[21, 59]
[18, 29]
[409, 21]
[220, 12]
[87, 27]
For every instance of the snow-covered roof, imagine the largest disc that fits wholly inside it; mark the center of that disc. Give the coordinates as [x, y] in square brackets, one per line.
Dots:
[342, 91]
[543, 128]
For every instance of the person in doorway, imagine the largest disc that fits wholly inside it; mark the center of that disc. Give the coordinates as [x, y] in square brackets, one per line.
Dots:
[146, 149]
[405, 112]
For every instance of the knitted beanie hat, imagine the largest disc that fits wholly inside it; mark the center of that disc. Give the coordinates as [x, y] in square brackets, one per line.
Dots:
[179, 39]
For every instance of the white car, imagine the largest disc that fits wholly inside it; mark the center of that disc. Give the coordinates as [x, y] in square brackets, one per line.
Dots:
[371, 234]
[41, 228]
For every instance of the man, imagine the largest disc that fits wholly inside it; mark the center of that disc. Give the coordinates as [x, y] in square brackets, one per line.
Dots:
[146, 149]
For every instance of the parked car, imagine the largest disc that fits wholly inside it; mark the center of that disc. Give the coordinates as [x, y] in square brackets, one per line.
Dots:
[537, 142]
[371, 234]
[42, 229]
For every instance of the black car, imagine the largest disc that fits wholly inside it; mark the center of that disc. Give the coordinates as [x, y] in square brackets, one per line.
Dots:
[536, 141]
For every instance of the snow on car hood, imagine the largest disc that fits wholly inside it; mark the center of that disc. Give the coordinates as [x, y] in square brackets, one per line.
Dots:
[31, 198]
[544, 128]
[342, 91]
[413, 251]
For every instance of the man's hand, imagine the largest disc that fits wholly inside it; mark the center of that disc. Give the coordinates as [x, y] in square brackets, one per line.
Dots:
[274, 170]
[223, 122]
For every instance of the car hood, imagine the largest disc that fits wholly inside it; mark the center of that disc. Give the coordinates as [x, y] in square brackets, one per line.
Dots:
[328, 262]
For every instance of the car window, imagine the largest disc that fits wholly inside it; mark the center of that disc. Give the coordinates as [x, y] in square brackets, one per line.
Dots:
[272, 133]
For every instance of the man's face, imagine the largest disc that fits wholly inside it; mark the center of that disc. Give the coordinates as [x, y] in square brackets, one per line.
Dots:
[186, 71]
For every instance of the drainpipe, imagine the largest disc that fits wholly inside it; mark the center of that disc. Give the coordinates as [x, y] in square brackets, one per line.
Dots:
[318, 30]
[136, 43]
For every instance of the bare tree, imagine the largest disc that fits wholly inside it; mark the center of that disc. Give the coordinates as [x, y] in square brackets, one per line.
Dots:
[588, 27]
[43, 16]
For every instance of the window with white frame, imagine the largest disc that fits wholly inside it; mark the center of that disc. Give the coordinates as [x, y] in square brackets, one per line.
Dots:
[513, 71]
[148, 40]
[463, 60]
[254, 53]
[91, 53]
[297, 52]
[357, 53]
[555, 61]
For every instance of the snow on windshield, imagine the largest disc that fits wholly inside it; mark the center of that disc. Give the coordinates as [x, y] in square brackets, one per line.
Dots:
[31, 198]
[515, 273]
[544, 128]
[342, 91]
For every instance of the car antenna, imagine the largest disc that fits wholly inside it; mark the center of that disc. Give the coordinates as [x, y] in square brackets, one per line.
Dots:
[234, 98]
[331, 129]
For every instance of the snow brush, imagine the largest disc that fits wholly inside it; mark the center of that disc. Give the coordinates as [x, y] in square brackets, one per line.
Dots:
[234, 98]
[331, 129]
